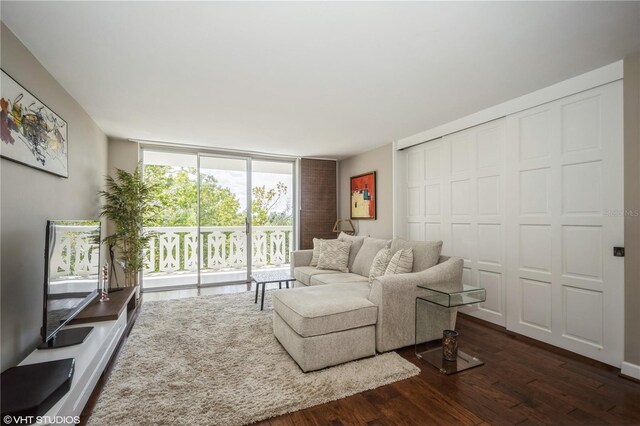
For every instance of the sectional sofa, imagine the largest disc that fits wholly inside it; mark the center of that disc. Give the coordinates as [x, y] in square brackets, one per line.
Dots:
[332, 317]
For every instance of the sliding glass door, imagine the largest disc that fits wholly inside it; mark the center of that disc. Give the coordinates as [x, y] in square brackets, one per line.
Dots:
[221, 218]
[172, 258]
[224, 221]
[272, 216]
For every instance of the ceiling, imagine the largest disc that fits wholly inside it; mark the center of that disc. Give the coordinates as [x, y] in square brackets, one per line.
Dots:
[327, 79]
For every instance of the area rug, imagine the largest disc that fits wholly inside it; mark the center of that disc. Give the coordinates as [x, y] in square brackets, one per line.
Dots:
[214, 361]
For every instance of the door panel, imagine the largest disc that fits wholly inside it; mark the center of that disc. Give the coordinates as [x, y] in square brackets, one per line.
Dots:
[475, 221]
[224, 239]
[171, 259]
[456, 192]
[272, 189]
[565, 185]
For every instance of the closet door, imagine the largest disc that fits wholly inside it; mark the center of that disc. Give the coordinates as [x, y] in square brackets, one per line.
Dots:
[424, 190]
[565, 215]
[456, 193]
[474, 212]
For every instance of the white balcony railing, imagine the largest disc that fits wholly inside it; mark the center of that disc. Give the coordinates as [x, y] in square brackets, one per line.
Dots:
[173, 249]
[74, 252]
[222, 248]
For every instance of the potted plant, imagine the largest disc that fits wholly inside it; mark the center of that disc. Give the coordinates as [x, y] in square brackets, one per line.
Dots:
[128, 204]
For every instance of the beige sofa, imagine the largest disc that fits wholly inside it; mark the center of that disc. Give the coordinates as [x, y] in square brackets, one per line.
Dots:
[334, 317]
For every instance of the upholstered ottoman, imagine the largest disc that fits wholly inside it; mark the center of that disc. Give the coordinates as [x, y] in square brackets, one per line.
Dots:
[325, 325]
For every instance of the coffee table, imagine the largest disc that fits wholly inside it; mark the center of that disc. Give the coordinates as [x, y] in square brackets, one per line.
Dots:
[266, 277]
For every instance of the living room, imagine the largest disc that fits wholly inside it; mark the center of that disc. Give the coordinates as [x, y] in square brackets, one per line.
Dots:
[320, 212]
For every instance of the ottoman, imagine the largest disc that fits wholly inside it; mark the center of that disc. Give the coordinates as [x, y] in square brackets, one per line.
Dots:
[325, 325]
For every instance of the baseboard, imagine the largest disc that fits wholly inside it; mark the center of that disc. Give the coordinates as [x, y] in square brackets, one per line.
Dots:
[630, 370]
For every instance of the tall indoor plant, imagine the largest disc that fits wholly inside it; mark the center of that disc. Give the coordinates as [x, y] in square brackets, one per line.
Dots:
[128, 204]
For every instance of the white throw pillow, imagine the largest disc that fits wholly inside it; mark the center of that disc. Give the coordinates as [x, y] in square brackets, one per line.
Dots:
[380, 263]
[334, 255]
[401, 262]
[317, 244]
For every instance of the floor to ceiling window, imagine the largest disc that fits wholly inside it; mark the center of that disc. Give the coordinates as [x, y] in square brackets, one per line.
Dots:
[213, 208]
[272, 194]
[223, 219]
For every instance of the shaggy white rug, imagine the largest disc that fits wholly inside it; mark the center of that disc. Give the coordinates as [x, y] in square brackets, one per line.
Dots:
[214, 361]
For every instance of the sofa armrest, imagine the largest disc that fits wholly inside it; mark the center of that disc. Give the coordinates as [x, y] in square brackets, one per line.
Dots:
[300, 258]
[395, 296]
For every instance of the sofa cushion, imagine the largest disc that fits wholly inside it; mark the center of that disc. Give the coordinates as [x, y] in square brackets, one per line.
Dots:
[322, 279]
[317, 310]
[425, 253]
[304, 273]
[334, 255]
[356, 244]
[364, 258]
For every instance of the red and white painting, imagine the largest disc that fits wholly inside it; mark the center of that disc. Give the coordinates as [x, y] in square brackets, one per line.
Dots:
[363, 196]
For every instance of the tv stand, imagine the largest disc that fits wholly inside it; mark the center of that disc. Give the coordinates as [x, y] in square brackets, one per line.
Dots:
[67, 337]
[111, 321]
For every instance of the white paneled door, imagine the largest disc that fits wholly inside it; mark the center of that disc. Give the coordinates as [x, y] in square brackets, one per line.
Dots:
[565, 215]
[533, 203]
[456, 193]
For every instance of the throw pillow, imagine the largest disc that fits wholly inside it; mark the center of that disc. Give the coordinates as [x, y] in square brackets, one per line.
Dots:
[317, 244]
[401, 262]
[334, 255]
[380, 263]
[356, 243]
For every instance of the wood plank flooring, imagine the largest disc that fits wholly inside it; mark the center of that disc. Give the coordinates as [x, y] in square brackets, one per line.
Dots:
[522, 382]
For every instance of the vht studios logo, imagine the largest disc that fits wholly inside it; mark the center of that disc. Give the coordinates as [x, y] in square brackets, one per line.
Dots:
[27, 420]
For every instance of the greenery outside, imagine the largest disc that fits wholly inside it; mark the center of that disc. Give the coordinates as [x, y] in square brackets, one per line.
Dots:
[176, 190]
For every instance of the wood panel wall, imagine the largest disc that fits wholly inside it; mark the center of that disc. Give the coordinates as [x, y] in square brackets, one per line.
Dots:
[318, 200]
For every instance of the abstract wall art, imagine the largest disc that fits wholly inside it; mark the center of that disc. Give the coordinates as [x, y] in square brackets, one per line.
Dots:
[31, 133]
[363, 196]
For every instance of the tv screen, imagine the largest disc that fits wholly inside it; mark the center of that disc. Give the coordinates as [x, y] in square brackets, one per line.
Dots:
[72, 271]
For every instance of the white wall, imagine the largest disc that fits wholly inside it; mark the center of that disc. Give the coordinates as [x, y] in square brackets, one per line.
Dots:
[379, 160]
[123, 154]
[29, 197]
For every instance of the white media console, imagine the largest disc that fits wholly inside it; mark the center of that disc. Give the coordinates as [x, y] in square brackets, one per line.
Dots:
[92, 356]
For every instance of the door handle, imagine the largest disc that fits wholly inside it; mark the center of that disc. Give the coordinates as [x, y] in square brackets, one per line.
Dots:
[247, 228]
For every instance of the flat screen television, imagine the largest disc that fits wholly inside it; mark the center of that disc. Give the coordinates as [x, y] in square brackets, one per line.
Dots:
[71, 278]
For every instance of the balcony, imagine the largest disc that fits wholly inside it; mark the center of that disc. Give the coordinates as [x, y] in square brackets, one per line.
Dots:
[171, 259]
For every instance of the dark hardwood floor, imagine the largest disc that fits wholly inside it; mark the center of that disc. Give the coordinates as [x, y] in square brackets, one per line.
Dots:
[523, 382]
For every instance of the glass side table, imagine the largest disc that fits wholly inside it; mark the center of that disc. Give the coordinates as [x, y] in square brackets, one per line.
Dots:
[432, 299]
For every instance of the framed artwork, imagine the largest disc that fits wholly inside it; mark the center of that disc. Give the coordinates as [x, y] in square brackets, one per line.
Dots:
[363, 196]
[30, 132]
